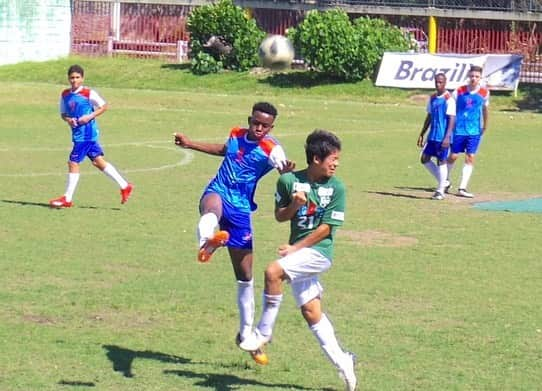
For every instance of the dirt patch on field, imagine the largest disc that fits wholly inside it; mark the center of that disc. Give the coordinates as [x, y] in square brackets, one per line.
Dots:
[377, 238]
[37, 319]
[419, 98]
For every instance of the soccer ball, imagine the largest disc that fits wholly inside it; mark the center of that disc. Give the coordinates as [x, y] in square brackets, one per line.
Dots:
[276, 52]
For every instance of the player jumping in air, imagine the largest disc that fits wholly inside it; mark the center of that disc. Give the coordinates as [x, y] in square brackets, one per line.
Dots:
[227, 202]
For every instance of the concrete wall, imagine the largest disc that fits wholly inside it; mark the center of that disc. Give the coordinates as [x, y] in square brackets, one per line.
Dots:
[34, 30]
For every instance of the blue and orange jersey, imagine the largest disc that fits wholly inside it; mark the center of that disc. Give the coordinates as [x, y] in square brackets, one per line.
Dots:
[81, 102]
[440, 107]
[469, 119]
[244, 164]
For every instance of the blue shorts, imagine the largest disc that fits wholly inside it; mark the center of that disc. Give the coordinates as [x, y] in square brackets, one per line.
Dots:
[434, 148]
[239, 226]
[466, 144]
[82, 149]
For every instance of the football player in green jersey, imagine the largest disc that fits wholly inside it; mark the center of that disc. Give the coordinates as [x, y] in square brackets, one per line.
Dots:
[313, 200]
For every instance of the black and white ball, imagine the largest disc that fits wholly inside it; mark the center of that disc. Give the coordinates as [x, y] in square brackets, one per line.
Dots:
[276, 52]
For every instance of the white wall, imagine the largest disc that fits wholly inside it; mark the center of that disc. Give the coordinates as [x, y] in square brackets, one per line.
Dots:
[34, 30]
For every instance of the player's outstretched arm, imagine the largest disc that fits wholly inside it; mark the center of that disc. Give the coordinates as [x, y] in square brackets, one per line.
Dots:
[183, 141]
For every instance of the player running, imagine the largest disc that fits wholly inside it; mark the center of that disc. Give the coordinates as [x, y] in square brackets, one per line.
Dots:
[313, 200]
[79, 107]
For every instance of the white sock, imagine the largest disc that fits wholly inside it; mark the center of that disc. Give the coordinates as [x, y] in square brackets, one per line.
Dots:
[112, 173]
[443, 174]
[432, 168]
[245, 303]
[271, 305]
[465, 176]
[325, 334]
[450, 168]
[71, 185]
[206, 227]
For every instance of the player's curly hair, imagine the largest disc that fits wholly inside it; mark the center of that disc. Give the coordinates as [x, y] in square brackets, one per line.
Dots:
[265, 107]
[321, 143]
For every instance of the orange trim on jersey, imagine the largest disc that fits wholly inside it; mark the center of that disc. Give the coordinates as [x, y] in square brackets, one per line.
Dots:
[461, 90]
[267, 145]
[238, 132]
[85, 92]
[484, 92]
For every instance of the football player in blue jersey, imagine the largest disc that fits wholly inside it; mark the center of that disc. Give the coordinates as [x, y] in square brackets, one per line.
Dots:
[79, 107]
[440, 119]
[227, 202]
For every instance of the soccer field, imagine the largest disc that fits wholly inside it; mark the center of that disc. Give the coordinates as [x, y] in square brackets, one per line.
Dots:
[431, 295]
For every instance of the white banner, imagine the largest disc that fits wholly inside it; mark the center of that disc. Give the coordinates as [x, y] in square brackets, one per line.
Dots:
[417, 70]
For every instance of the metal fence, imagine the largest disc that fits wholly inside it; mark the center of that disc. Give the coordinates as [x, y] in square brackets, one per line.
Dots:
[159, 30]
[495, 5]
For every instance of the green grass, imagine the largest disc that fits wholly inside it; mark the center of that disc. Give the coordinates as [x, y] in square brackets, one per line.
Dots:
[430, 295]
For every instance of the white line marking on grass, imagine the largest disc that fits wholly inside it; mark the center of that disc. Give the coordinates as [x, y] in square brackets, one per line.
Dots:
[187, 158]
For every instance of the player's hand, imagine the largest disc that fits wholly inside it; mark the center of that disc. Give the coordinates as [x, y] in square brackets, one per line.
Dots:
[287, 167]
[181, 140]
[286, 249]
[72, 121]
[420, 141]
[299, 198]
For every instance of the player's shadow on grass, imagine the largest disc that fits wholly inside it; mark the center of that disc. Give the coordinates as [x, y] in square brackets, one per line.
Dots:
[27, 203]
[76, 383]
[222, 382]
[403, 194]
[123, 358]
[46, 205]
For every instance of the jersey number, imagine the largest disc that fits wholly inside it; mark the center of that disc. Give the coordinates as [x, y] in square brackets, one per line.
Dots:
[306, 222]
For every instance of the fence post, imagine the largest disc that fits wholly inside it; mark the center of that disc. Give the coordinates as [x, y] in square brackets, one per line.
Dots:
[182, 50]
[110, 46]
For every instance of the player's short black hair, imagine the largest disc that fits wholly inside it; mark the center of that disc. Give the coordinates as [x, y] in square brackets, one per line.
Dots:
[76, 68]
[321, 143]
[441, 74]
[476, 68]
[265, 107]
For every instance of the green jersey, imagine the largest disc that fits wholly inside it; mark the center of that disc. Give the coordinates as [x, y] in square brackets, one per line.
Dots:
[325, 205]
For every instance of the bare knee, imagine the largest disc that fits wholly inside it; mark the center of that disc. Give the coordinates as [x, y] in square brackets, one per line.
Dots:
[274, 272]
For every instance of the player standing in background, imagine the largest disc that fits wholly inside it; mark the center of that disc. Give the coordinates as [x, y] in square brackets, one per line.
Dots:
[440, 119]
[79, 107]
[313, 200]
[472, 101]
[227, 202]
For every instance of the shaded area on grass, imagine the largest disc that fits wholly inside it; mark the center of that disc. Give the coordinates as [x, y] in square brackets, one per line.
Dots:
[300, 80]
[122, 358]
[46, 205]
[221, 382]
[76, 383]
[532, 97]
